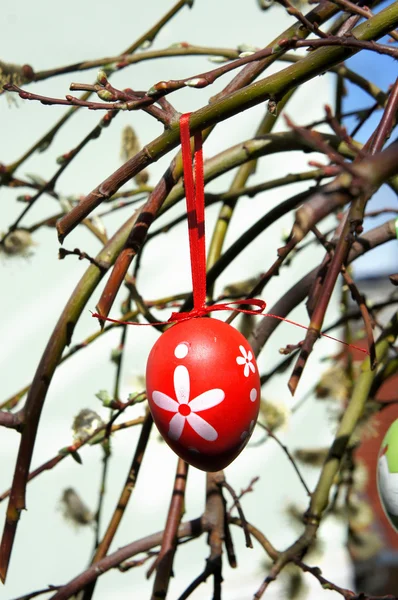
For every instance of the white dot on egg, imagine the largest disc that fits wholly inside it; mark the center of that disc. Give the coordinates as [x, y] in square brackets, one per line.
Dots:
[253, 394]
[181, 351]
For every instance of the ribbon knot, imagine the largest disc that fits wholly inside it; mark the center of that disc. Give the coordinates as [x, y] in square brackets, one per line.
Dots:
[184, 316]
[234, 305]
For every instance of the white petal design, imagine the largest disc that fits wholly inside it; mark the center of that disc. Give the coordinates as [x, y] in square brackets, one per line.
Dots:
[251, 367]
[249, 356]
[207, 400]
[246, 370]
[181, 384]
[243, 350]
[176, 426]
[202, 427]
[164, 401]
[240, 360]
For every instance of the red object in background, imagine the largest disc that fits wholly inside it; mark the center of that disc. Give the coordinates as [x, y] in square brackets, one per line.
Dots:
[203, 390]
[368, 452]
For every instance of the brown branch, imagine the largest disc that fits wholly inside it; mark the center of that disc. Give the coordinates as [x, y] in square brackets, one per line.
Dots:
[106, 447]
[358, 298]
[228, 541]
[131, 564]
[260, 537]
[349, 41]
[295, 552]
[206, 78]
[365, 117]
[126, 100]
[214, 516]
[387, 122]
[242, 517]
[243, 492]
[315, 139]
[341, 133]
[63, 252]
[361, 302]
[362, 11]
[164, 561]
[294, 12]
[142, 306]
[31, 595]
[322, 301]
[137, 237]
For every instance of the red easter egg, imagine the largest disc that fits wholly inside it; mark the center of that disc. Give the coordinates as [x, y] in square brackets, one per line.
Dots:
[203, 390]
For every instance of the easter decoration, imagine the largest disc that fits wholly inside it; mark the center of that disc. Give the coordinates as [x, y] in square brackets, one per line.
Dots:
[202, 379]
[387, 474]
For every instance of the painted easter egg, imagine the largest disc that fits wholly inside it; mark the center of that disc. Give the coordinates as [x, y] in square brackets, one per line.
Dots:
[387, 474]
[203, 390]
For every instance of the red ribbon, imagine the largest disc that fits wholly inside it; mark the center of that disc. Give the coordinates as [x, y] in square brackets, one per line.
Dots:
[195, 200]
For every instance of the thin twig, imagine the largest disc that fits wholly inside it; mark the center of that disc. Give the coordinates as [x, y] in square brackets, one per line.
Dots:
[238, 505]
[290, 457]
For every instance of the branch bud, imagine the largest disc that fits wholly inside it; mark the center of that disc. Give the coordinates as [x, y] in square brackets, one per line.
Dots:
[197, 82]
[101, 77]
[158, 87]
[104, 397]
[106, 95]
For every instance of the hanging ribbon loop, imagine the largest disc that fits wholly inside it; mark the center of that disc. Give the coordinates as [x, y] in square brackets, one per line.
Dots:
[195, 199]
